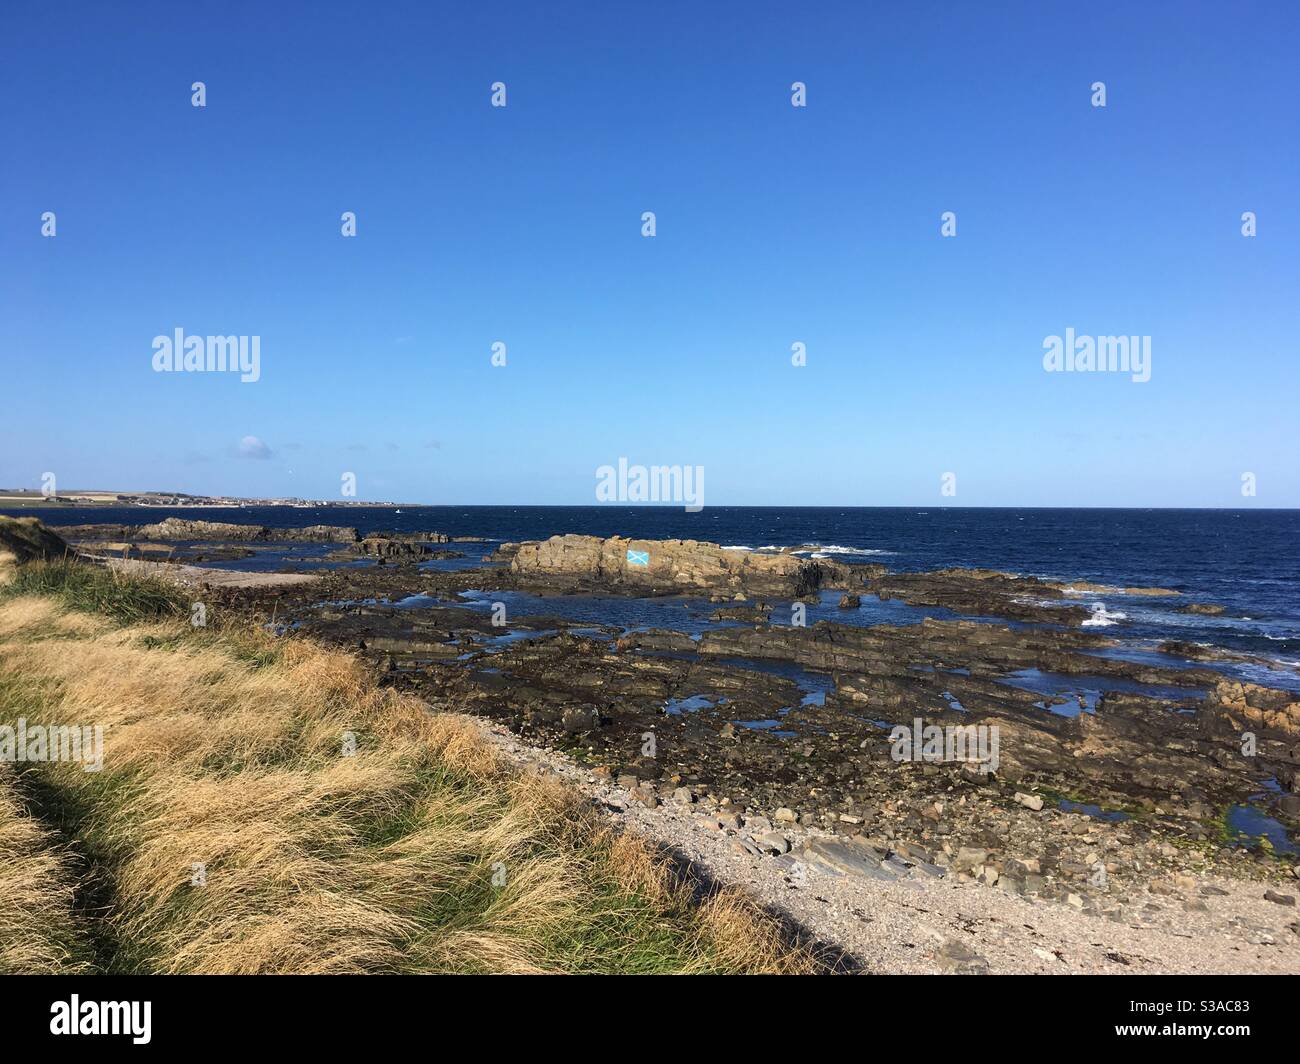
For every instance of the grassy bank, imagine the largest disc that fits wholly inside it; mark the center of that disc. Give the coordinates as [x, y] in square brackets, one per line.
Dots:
[40, 931]
[232, 830]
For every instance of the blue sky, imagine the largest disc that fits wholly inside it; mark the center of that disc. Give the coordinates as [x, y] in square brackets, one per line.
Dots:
[775, 224]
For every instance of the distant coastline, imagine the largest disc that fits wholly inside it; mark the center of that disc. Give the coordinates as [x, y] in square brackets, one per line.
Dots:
[21, 497]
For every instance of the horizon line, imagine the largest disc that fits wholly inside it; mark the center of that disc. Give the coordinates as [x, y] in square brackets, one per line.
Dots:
[326, 503]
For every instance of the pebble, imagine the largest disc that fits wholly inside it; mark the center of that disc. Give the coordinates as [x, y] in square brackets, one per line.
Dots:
[958, 957]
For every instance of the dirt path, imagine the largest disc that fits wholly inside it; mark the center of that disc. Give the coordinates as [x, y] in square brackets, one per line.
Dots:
[923, 924]
[194, 575]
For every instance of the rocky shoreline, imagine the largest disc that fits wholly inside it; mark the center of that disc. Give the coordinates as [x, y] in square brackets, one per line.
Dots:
[780, 737]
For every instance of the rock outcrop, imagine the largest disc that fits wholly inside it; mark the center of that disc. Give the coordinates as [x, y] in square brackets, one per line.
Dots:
[1233, 708]
[670, 566]
[386, 547]
[1263, 720]
[179, 528]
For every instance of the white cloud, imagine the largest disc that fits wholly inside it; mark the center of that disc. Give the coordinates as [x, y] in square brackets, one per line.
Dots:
[252, 447]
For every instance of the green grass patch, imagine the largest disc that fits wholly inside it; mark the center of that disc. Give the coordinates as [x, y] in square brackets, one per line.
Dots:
[128, 599]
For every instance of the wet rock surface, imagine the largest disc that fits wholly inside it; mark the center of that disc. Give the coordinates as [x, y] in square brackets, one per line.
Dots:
[982, 592]
[404, 547]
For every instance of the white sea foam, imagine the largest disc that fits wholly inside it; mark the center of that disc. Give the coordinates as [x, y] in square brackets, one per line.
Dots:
[812, 550]
[818, 551]
[1102, 617]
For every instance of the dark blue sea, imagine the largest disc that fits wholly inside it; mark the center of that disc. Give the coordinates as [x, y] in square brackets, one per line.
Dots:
[1245, 560]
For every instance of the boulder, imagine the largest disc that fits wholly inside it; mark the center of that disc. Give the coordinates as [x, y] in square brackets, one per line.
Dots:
[384, 547]
[773, 842]
[580, 719]
[753, 614]
[969, 859]
[842, 857]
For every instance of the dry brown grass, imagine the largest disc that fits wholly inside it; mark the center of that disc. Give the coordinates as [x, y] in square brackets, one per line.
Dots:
[39, 930]
[422, 852]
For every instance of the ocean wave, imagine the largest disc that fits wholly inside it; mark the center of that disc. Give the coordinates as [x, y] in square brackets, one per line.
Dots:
[813, 550]
[818, 551]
